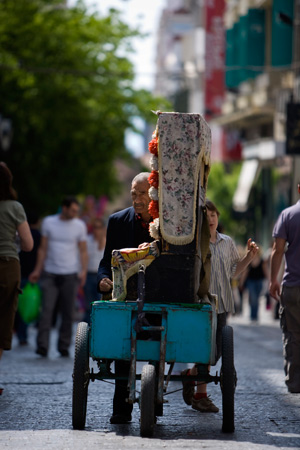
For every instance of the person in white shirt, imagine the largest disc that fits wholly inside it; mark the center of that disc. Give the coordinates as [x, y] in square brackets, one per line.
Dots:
[62, 265]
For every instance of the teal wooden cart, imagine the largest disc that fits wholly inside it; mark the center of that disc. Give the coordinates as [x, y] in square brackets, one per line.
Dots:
[186, 333]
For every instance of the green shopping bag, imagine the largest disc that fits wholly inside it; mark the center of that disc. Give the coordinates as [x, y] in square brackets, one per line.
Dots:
[30, 302]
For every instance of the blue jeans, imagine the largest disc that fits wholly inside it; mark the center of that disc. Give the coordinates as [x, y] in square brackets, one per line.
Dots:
[254, 288]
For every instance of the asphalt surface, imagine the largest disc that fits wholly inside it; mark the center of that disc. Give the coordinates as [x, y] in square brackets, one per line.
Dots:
[36, 404]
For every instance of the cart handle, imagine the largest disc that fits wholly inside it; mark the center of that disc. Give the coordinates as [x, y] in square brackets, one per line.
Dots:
[153, 328]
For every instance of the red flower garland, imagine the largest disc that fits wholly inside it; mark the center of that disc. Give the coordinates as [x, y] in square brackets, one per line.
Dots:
[153, 146]
[153, 179]
[153, 209]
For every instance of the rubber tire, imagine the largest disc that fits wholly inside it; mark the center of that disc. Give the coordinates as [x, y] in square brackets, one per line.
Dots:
[159, 407]
[80, 376]
[147, 400]
[228, 379]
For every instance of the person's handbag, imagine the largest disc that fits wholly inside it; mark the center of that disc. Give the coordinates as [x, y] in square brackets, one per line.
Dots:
[30, 302]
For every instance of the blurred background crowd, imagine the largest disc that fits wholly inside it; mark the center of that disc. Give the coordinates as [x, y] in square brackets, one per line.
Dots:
[71, 109]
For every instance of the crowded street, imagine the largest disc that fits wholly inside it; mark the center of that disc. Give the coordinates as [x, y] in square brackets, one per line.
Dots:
[36, 404]
[150, 224]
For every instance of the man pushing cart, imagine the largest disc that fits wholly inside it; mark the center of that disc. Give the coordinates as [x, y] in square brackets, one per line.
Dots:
[160, 309]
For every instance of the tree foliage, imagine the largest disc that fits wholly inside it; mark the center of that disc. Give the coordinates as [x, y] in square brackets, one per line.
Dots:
[67, 85]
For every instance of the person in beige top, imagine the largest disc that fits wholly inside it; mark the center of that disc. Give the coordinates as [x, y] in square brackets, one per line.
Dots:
[13, 224]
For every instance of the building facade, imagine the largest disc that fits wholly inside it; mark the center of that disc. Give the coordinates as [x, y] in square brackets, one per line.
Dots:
[237, 62]
[261, 81]
[180, 57]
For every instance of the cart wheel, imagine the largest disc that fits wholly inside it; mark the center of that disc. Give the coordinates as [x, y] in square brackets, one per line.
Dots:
[227, 380]
[80, 376]
[159, 407]
[147, 400]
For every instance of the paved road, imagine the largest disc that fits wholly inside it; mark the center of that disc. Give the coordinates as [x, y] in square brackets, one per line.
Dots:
[35, 408]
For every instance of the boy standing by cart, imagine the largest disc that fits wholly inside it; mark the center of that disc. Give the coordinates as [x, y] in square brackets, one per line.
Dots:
[225, 264]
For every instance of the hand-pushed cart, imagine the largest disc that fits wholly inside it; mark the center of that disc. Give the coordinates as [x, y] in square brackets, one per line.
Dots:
[185, 333]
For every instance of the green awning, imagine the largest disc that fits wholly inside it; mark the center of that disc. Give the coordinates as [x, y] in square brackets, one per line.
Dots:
[282, 32]
[245, 48]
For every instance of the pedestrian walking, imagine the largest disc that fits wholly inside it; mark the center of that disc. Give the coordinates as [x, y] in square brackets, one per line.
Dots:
[286, 234]
[62, 265]
[126, 228]
[271, 303]
[237, 285]
[13, 223]
[95, 248]
[225, 264]
[27, 262]
[254, 278]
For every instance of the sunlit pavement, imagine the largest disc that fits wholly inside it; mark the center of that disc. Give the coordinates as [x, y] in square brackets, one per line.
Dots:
[35, 408]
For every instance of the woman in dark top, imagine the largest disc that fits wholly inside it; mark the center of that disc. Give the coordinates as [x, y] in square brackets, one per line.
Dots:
[27, 262]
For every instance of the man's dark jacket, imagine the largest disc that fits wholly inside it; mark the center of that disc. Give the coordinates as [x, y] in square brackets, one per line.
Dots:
[120, 234]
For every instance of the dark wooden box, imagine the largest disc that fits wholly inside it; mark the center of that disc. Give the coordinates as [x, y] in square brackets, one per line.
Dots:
[173, 278]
